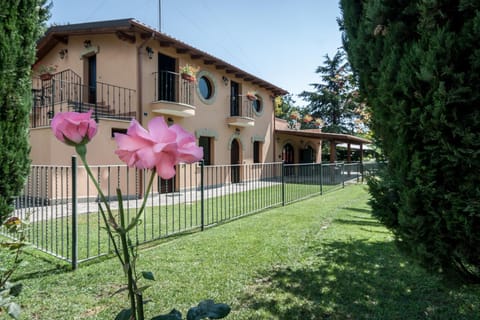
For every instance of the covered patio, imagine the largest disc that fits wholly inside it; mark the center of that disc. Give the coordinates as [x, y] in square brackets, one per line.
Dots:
[314, 137]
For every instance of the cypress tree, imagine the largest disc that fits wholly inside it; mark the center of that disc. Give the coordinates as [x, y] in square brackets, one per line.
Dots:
[21, 22]
[418, 64]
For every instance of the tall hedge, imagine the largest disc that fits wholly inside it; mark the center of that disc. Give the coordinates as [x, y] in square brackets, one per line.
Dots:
[20, 27]
[418, 64]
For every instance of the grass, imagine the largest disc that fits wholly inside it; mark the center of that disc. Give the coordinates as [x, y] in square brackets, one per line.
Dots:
[321, 258]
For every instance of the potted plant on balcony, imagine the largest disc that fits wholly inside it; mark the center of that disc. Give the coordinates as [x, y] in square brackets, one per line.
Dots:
[307, 118]
[319, 122]
[251, 95]
[46, 72]
[187, 72]
[294, 115]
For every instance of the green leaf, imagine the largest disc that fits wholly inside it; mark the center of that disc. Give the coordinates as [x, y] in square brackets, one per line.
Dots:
[125, 314]
[208, 309]
[14, 310]
[173, 315]
[148, 275]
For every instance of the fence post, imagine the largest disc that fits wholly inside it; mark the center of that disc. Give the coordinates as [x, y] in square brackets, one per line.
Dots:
[321, 178]
[74, 214]
[283, 183]
[202, 189]
[361, 169]
[342, 171]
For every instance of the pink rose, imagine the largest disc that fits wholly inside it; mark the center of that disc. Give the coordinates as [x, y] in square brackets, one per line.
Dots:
[161, 147]
[188, 151]
[74, 128]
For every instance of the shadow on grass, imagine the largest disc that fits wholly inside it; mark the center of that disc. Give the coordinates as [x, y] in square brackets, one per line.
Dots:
[357, 280]
[372, 223]
[369, 211]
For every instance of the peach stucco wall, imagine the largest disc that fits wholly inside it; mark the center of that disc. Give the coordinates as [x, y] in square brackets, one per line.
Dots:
[126, 64]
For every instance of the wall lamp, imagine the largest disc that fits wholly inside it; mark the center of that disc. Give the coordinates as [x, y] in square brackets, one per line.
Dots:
[149, 52]
[225, 80]
[87, 43]
[62, 53]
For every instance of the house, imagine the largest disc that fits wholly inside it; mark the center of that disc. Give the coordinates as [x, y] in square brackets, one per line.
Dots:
[123, 69]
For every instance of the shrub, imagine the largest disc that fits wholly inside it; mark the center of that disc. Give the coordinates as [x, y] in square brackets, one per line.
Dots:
[418, 65]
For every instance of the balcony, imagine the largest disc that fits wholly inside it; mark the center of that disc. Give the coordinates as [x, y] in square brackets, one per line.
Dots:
[65, 92]
[241, 112]
[174, 96]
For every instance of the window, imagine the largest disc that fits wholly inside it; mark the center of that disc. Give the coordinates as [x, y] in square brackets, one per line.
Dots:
[205, 87]
[118, 130]
[257, 152]
[257, 105]
[207, 144]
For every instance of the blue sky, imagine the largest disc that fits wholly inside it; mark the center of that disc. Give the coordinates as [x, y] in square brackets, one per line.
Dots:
[280, 41]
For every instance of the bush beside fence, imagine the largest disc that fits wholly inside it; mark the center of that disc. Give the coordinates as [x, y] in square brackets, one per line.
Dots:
[62, 204]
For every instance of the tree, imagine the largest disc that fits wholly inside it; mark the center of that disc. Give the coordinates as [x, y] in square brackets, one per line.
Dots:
[418, 64]
[284, 106]
[335, 98]
[20, 27]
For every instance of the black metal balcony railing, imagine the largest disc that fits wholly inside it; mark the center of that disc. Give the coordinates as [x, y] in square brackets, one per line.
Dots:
[170, 86]
[64, 92]
[241, 107]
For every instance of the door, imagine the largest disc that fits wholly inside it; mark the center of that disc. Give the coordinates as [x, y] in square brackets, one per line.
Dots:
[234, 99]
[92, 79]
[166, 186]
[307, 155]
[288, 158]
[166, 78]
[235, 161]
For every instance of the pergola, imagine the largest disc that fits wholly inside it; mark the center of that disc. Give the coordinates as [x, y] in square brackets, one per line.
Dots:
[333, 138]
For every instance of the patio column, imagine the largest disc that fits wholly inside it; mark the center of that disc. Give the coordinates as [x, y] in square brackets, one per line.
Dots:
[333, 151]
[349, 153]
[361, 152]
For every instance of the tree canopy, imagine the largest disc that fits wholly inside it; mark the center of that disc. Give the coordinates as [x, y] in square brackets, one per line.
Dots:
[21, 24]
[335, 98]
[418, 65]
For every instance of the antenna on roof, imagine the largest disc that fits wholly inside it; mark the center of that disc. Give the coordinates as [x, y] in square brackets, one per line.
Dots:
[160, 15]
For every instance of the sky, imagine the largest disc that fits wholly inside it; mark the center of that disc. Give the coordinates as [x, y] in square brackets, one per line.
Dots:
[280, 41]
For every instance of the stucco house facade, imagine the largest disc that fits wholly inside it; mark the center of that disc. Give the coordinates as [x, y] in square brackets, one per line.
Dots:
[123, 69]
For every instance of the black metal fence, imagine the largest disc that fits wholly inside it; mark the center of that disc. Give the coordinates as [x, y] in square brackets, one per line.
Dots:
[62, 203]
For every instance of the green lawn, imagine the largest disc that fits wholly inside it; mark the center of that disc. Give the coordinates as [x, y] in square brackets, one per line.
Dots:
[321, 258]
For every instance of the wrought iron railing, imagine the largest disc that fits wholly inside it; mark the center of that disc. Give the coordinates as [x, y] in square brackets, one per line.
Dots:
[64, 92]
[171, 87]
[240, 106]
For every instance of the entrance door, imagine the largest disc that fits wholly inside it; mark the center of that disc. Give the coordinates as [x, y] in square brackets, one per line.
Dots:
[307, 155]
[235, 161]
[288, 154]
[166, 78]
[288, 158]
[92, 79]
[234, 99]
[166, 186]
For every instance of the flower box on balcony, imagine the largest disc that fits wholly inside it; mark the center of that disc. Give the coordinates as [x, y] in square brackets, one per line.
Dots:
[251, 96]
[187, 72]
[188, 77]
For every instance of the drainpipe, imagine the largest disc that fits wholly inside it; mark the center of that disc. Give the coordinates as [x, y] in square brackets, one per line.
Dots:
[139, 97]
[274, 134]
[139, 78]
